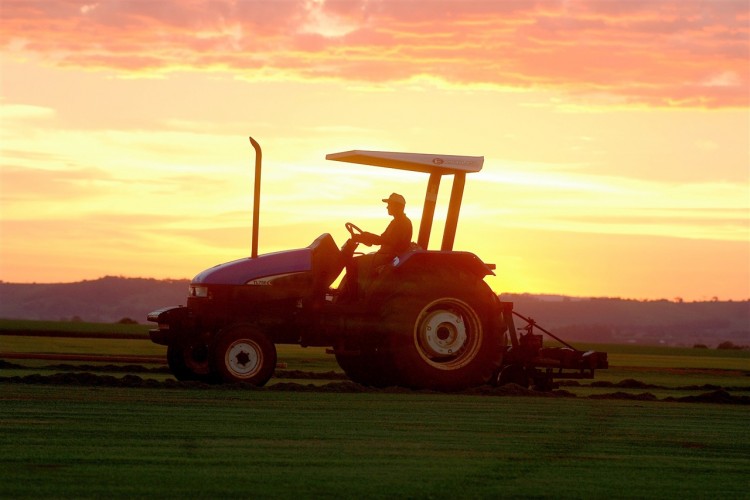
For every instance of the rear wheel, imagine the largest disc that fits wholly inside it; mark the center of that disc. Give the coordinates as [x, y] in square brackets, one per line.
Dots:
[244, 354]
[443, 331]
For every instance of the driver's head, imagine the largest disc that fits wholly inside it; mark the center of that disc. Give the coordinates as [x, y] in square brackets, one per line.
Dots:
[395, 203]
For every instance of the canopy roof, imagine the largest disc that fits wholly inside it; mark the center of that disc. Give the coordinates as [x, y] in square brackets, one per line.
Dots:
[416, 162]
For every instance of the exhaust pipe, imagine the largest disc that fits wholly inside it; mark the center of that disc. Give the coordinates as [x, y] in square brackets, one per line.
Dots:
[256, 197]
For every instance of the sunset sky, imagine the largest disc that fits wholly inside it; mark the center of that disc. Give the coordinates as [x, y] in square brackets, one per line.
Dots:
[616, 135]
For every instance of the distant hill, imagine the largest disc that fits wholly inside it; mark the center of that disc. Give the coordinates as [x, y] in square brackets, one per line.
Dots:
[614, 320]
[605, 320]
[105, 300]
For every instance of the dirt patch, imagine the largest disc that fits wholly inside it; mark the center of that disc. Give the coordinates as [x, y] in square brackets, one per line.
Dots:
[704, 387]
[300, 375]
[8, 365]
[130, 380]
[688, 371]
[515, 390]
[718, 397]
[645, 396]
[341, 387]
[628, 383]
[708, 371]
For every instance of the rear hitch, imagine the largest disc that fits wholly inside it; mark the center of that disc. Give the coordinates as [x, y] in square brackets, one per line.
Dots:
[528, 362]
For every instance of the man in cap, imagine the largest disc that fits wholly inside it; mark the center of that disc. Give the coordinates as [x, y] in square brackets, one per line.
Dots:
[397, 236]
[395, 240]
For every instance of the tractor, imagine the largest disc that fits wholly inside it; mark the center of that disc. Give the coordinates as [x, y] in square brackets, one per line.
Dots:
[425, 319]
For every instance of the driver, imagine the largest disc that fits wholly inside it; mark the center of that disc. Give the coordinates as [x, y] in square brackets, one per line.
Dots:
[397, 236]
[395, 240]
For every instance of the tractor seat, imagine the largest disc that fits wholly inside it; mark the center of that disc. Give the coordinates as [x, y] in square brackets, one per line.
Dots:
[327, 261]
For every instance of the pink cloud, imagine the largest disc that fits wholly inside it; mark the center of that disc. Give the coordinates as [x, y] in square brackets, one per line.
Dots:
[654, 53]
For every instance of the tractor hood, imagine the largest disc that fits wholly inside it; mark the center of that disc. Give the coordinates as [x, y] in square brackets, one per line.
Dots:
[244, 271]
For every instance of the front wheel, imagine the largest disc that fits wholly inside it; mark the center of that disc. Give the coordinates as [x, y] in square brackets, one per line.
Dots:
[189, 362]
[244, 354]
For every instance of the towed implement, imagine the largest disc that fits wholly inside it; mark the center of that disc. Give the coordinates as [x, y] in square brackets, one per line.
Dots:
[425, 319]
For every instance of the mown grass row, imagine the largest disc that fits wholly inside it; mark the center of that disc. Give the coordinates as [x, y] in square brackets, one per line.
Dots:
[663, 366]
[82, 442]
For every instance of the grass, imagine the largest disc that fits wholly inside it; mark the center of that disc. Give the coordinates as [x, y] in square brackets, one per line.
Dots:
[95, 442]
[658, 365]
[91, 442]
[67, 345]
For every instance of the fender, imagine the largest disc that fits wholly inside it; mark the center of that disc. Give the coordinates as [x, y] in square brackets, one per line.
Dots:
[465, 261]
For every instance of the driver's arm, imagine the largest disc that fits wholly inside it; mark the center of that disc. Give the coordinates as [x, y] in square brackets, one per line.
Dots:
[368, 239]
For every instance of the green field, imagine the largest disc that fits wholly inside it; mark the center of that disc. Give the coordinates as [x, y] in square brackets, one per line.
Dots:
[662, 366]
[71, 326]
[76, 440]
[79, 442]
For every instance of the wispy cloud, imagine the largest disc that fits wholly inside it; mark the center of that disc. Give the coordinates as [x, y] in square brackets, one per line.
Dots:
[670, 53]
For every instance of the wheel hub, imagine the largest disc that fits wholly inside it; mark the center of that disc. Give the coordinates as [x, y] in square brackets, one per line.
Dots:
[448, 334]
[244, 358]
[442, 333]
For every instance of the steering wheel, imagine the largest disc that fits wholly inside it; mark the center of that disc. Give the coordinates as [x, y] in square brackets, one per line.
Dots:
[353, 229]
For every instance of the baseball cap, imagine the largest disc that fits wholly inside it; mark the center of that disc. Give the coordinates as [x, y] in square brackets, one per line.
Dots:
[396, 199]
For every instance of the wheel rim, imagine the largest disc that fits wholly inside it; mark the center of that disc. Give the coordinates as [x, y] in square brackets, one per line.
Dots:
[243, 358]
[448, 334]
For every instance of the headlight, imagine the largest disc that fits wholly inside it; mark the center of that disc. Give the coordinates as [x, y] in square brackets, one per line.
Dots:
[198, 291]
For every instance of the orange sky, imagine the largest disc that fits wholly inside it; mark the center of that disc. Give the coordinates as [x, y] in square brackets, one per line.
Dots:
[616, 135]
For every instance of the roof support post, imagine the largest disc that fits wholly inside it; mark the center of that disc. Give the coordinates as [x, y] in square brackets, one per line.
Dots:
[428, 212]
[451, 220]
